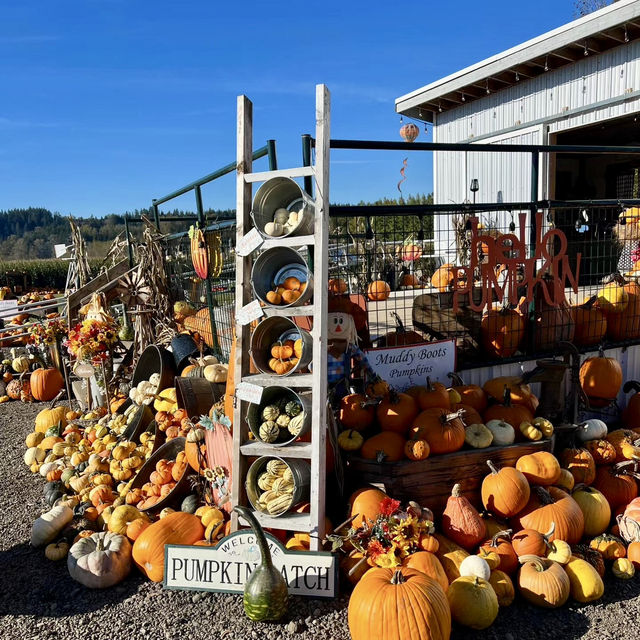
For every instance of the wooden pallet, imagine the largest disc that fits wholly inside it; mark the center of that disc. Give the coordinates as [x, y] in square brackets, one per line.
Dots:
[429, 481]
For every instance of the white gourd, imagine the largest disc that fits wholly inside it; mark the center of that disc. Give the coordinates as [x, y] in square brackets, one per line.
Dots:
[49, 525]
[593, 429]
[475, 566]
[273, 229]
[281, 215]
[101, 560]
[34, 454]
[503, 432]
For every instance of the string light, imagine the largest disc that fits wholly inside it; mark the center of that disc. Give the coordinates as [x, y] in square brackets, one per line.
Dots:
[487, 85]
[517, 77]
[586, 50]
[463, 96]
[439, 108]
[626, 34]
[546, 63]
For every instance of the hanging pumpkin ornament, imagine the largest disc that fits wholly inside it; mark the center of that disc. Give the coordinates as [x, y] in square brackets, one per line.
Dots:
[409, 132]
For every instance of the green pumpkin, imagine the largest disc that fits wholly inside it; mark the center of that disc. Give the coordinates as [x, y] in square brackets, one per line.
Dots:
[67, 474]
[53, 491]
[293, 408]
[53, 431]
[266, 596]
[190, 503]
[82, 467]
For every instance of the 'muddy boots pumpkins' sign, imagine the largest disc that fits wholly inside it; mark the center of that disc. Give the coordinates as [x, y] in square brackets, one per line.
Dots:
[227, 566]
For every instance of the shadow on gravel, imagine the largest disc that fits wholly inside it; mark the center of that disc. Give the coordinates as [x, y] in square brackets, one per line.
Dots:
[33, 585]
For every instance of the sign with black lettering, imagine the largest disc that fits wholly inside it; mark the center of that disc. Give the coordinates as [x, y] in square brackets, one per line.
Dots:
[226, 567]
[404, 367]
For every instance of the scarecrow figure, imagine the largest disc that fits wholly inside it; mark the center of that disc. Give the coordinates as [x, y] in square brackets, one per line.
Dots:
[627, 232]
[343, 354]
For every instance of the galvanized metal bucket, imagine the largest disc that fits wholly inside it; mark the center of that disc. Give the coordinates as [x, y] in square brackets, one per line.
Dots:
[301, 472]
[270, 395]
[273, 266]
[283, 193]
[277, 329]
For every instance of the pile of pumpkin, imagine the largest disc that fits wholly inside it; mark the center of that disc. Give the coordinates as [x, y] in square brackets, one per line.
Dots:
[285, 355]
[288, 292]
[432, 419]
[547, 532]
[24, 378]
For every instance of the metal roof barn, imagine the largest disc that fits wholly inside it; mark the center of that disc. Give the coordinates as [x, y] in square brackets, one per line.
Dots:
[578, 84]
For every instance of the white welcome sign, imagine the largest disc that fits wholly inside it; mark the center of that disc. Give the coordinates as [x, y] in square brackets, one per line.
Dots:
[404, 367]
[227, 566]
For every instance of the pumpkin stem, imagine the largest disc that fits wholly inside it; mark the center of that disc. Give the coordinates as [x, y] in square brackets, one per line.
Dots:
[506, 396]
[549, 533]
[397, 577]
[455, 379]
[448, 417]
[455, 492]
[100, 543]
[492, 466]
[536, 560]
[501, 534]
[260, 537]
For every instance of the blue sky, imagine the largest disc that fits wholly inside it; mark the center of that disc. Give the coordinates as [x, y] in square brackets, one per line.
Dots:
[105, 104]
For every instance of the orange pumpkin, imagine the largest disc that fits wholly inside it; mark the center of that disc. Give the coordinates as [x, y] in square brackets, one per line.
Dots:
[631, 413]
[378, 290]
[519, 392]
[46, 384]
[540, 468]
[443, 431]
[337, 286]
[136, 527]
[618, 487]
[416, 449]
[501, 332]
[504, 492]
[443, 277]
[429, 564]
[626, 326]
[600, 379]
[431, 396]
[602, 451]
[396, 412]
[580, 463]
[354, 413]
[387, 446]
[508, 411]
[365, 505]
[590, 323]
[176, 528]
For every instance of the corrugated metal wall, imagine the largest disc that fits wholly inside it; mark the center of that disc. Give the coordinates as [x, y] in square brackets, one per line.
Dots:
[594, 79]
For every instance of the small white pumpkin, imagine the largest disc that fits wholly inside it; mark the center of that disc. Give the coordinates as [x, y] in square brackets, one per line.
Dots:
[47, 527]
[593, 429]
[216, 372]
[294, 218]
[101, 560]
[503, 432]
[273, 229]
[34, 454]
[476, 567]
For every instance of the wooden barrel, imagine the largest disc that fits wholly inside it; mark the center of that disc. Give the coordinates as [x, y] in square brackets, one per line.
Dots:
[197, 395]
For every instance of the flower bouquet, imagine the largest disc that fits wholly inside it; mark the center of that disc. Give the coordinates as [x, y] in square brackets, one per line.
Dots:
[92, 340]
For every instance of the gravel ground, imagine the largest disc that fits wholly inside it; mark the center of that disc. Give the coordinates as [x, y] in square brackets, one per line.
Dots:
[39, 600]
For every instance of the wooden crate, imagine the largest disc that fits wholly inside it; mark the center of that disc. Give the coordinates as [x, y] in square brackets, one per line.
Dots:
[429, 481]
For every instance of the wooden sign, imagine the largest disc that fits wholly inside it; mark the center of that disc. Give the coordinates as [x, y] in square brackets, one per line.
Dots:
[226, 567]
[404, 367]
[249, 242]
[508, 266]
[249, 313]
[8, 308]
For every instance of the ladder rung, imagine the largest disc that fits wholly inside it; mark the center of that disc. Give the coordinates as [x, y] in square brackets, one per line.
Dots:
[261, 176]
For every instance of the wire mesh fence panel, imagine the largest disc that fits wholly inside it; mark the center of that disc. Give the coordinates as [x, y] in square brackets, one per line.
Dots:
[217, 321]
[502, 284]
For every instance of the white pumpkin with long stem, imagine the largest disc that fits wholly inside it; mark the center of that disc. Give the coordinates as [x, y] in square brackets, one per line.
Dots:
[47, 527]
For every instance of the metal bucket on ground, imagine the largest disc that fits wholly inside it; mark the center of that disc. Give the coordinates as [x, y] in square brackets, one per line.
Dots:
[155, 359]
[183, 346]
[301, 472]
[273, 266]
[273, 330]
[141, 420]
[196, 396]
[270, 395]
[283, 193]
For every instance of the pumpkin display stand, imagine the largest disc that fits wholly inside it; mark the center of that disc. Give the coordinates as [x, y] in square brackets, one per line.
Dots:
[429, 481]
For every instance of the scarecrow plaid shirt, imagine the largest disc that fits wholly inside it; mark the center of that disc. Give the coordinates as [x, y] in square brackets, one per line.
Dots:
[340, 368]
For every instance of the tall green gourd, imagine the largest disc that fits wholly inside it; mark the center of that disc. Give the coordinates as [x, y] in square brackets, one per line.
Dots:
[266, 594]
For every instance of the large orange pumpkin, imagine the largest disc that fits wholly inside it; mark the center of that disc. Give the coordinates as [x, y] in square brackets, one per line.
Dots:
[355, 413]
[398, 604]
[508, 411]
[590, 324]
[618, 487]
[504, 492]
[443, 431]
[519, 392]
[501, 332]
[443, 277]
[539, 468]
[431, 395]
[601, 379]
[551, 505]
[46, 384]
[365, 504]
[337, 286]
[471, 395]
[580, 463]
[378, 290]
[387, 446]
[397, 412]
[427, 563]
[176, 528]
[553, 320]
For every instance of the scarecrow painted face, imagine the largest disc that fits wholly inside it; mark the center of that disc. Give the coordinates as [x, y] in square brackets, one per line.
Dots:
[342, 327]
